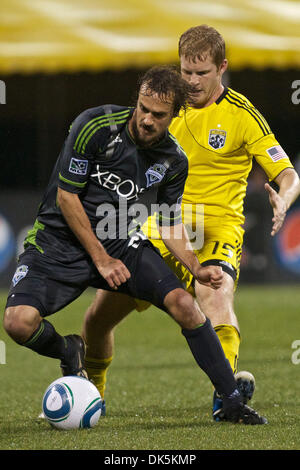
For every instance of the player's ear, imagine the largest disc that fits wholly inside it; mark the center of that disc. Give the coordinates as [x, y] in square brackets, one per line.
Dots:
[223, 66]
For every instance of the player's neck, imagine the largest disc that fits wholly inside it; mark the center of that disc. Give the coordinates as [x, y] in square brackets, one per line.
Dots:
[213, 98]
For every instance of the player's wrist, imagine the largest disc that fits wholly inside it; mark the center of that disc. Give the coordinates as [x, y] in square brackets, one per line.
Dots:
[196, 267]
[100, 257]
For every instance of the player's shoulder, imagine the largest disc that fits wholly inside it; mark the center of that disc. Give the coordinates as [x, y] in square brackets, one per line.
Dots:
[235, 104]
[95, 125]
[175, 148]
[106, 114]
[237, 98]
[243, 111]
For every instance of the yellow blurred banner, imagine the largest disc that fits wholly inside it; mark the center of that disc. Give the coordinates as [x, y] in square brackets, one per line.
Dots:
[72, 35]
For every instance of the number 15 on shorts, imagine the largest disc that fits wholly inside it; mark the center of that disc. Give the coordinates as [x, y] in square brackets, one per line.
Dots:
[224, 249]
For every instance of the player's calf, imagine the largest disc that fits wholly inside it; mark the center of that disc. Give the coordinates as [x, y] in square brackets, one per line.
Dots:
[24, 325]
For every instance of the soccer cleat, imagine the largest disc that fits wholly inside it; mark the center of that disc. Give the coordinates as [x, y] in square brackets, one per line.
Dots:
[74, 357]
[240, 413]
[217, 406]
[246, 385]
[103, 408]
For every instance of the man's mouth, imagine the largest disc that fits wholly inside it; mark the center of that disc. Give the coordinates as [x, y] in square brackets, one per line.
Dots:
[147, 129]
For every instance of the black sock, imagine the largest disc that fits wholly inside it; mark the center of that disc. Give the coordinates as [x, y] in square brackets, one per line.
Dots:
[209, 355]
[46, 341]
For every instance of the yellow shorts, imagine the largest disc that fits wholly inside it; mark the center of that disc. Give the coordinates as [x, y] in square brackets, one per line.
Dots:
[222, 246]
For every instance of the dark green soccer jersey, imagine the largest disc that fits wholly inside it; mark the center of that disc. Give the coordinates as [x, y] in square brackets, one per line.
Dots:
[101, 163]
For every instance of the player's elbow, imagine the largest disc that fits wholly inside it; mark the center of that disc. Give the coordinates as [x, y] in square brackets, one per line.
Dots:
[63, 197]
[288, 177]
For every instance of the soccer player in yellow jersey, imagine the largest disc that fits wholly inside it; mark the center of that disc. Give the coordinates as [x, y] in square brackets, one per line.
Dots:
[221, 132]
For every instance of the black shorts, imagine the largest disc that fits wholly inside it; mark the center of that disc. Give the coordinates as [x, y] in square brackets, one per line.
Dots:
[49, 285]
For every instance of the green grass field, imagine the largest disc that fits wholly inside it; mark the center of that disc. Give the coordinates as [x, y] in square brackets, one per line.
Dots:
[156, 396]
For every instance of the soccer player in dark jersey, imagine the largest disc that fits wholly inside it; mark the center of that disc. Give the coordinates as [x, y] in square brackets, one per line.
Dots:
[85, 233]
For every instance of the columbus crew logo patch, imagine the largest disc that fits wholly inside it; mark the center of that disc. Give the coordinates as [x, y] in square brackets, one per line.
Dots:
[216, 138]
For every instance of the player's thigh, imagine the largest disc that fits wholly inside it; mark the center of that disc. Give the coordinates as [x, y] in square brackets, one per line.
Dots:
[221, 248]
[153, 279]
[212, 301]
[224, 249]
[176, 267]
[109, 308]
[44, 284]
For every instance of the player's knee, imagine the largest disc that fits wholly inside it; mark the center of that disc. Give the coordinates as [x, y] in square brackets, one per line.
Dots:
[217, 304]
[20, 322]
[183, 309]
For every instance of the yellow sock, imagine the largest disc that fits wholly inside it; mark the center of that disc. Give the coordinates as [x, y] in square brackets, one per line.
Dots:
[97, 370]
[230, 340]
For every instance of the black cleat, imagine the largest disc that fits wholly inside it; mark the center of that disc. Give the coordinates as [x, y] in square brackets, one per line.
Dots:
[245, 382]
[240, 413]
[74, 357]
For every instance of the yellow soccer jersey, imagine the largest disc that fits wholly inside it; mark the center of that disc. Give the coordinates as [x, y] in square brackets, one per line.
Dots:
[221, 141]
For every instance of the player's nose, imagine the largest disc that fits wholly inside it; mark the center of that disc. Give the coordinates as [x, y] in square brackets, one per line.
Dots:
[194, 79]
[148, 120]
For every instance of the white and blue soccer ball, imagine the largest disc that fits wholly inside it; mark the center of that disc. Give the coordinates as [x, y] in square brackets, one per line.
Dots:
[72, 402]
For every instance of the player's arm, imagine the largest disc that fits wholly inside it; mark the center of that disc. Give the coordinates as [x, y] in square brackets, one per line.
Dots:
[173, 232]
[261, 143]
[113, 270]
[75, 167]
[176, 240]
[289, 189]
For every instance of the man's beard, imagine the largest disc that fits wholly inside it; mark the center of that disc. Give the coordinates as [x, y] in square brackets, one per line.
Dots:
[141, 142]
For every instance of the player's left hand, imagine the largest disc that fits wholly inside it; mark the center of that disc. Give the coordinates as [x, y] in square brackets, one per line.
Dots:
[279, 209]
[211, 276]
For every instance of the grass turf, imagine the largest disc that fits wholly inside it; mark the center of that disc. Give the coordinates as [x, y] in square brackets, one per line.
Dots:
[157, 398]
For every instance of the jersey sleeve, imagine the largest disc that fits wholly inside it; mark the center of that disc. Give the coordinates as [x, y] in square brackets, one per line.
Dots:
[270, 156]
[261, 144]
[169, 195]
[86, 136]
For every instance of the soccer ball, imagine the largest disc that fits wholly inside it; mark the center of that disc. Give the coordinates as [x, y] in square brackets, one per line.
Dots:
[72, 402]
[246, 384]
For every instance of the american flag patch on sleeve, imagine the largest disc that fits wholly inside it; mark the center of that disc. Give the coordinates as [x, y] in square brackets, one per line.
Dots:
[276, 153]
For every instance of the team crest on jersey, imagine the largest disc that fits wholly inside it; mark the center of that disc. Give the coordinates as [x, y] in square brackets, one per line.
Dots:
[216, 138]
[19, 274]
[155, 174]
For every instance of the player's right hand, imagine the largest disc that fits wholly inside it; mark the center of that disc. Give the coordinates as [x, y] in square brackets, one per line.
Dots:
[114, 272]
[211, 276]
